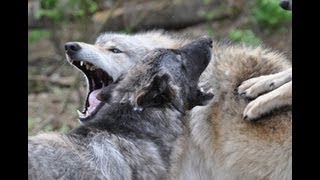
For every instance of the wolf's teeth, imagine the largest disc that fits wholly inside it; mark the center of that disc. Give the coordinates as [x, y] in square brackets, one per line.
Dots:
[80, 114]
[81, 63]
[138, 109]
[210, 91]
[88, 66]
[68, 58]
[92, 68]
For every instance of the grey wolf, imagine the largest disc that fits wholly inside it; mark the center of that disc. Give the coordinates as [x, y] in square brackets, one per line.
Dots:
[219, 143]
[134, 132]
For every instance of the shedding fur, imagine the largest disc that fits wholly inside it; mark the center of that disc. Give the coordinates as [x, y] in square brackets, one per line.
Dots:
[119, 142]
[219, 144]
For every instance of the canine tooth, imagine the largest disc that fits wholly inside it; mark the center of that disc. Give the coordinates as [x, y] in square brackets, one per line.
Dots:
[81, 63]
[68, 58]
[210, 91]
[138, 109]
[80, 121]
[92, 68]
[80, 114]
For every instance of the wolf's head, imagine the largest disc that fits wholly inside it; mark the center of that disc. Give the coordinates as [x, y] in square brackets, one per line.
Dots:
[163, 78]
[112, 55]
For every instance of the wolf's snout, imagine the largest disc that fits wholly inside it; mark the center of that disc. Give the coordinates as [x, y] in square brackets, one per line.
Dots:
[285, 4]
[208, 42]
[71, 47]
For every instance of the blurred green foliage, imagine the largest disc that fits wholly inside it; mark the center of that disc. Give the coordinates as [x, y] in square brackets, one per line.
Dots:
[268, 14]
[206, 2]
[64, 129]
[212, 14]
[246, 36]
[37, 34]
[31, 123]
[55, 10]
[211, 31]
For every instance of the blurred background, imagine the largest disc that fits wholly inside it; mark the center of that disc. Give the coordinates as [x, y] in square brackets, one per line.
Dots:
[56, 90]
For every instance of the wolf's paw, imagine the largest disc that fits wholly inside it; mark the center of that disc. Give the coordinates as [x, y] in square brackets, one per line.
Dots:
[255, 109]
[253, 87]
[265, 103]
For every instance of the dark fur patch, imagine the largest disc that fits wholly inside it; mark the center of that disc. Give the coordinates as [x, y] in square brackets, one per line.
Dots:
[137, 143]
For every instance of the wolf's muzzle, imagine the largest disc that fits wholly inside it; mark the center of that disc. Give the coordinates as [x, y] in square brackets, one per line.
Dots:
[71, 47]
[286, 5]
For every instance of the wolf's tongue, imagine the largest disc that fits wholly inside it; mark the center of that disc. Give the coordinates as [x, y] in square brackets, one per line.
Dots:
[93, 101]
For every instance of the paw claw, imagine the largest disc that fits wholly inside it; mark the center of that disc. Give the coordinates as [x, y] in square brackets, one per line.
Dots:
[271, 85]
[245, 117]
[243, 94]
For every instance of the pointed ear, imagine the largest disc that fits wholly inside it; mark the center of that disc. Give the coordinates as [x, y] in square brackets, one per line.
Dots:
[201, 98]
[157, 93]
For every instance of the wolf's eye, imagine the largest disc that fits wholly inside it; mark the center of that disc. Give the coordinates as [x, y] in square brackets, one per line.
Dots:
[115, 50]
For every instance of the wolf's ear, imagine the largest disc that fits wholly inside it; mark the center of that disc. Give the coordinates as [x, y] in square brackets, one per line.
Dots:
[157, 93]
[200, 98]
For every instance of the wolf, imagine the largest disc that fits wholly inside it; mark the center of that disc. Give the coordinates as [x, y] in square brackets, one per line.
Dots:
[219, 143]
[134, 131]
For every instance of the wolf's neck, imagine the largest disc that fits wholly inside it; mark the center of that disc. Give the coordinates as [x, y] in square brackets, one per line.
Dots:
[123, 120]
[161, 128]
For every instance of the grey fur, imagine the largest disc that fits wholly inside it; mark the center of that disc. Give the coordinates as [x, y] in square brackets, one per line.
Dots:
[219, 143]
[119, 141]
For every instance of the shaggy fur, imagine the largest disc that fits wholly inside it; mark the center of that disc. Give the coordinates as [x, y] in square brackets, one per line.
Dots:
[138, 131]
[226, 145]
[220, 144]
[280, 85]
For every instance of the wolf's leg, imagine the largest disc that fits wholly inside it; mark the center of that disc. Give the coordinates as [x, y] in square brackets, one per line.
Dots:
[253, 87]
[279, 97]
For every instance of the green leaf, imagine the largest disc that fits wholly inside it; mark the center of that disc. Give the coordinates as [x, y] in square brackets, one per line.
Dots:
[268, 14]
[246, 36]
[38, 34]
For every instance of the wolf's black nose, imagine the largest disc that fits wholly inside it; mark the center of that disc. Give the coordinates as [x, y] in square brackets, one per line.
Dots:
[207, 41]
[285, 5]
[210, 42]
[72, 47]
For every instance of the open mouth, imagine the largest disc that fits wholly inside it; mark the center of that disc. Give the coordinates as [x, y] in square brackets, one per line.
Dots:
[96, 79]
